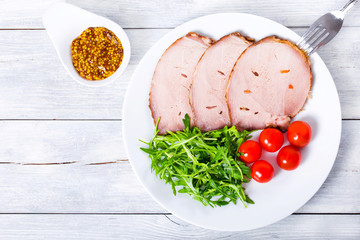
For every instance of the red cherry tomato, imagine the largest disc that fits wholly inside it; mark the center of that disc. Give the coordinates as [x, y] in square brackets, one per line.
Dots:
[251, 151]
[288, 158]
[299, 133]
[262, 171]
[271, 139]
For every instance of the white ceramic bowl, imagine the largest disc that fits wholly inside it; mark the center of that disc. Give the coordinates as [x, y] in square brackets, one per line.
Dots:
[65, 22]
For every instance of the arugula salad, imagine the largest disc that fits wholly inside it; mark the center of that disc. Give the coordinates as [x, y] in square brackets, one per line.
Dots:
[204, 165]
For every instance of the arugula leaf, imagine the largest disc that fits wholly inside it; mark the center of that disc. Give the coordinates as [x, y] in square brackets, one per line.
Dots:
[204, 165]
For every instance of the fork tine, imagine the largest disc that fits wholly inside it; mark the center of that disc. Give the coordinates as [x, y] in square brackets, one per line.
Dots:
[305, 41]
[312, 39]
[302, 43]
[313, 30]
[315, 41]
[320, 38]
[309, 31]
[319, 41]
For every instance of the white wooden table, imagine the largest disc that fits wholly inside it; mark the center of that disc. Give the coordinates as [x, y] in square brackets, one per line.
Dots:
[64, 173]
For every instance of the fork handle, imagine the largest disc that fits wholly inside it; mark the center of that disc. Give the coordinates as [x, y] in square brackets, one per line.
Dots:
[349, 5]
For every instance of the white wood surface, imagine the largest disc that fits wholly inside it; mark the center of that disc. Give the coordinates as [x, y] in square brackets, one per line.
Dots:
[169, 14]
[69, 178]
[65, 226]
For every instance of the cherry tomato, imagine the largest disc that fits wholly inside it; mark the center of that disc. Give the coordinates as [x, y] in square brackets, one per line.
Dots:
[299, 133]
[251, 150]
[271, 139]
[262, 171]
[288, 158]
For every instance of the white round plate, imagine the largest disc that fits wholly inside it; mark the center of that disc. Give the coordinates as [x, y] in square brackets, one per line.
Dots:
[287, 191]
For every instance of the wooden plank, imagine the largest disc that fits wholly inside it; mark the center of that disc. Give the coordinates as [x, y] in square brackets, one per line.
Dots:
[67, 166]
[79, 167]
[169, 227]
[160, 14]
[23, 13]
[49, 142]
[34, 85]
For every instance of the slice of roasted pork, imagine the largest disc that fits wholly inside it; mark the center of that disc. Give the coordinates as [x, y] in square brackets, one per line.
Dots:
[208, 91]
[170, 86]
[269, 85]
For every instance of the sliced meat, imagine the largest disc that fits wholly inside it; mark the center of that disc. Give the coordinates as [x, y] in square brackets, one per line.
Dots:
[208, 91]
[268, 85]
[170, 87]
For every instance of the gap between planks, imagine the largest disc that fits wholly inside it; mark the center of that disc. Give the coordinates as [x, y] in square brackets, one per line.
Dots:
[64, 163]
[159, 213]
[141, 28]
[155, 28]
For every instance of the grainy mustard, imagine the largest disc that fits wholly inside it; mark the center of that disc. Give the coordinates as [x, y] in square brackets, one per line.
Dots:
[97, 53]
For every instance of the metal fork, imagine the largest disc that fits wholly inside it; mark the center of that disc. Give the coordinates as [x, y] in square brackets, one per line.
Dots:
[324, 29]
